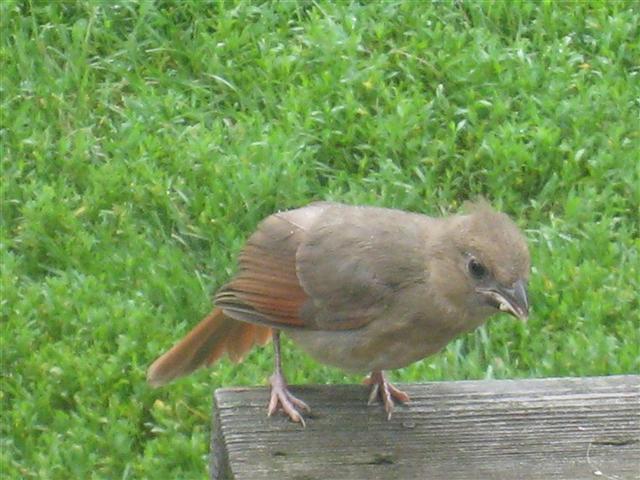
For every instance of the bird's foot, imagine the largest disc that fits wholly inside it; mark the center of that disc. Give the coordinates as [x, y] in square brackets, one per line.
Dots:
[281, 398]
[384, 392]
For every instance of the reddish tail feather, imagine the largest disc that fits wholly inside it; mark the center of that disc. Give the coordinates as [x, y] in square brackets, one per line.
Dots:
[206, 343]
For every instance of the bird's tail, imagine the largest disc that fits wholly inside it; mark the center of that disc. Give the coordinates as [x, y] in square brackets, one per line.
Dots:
[206, 343]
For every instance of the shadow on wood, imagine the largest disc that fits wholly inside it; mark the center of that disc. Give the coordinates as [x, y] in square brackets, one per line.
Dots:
[562, 428]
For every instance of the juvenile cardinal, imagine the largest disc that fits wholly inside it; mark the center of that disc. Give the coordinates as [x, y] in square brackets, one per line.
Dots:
[364, 289]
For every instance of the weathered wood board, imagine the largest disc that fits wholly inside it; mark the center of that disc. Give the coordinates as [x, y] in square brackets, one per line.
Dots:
[557, 428]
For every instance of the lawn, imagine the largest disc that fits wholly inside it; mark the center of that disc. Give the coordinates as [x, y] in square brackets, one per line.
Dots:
[141, 143]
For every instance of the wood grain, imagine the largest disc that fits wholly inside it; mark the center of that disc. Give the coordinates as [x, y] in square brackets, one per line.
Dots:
[559, 428]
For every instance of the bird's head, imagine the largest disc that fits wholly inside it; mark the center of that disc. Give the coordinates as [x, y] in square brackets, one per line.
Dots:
[487, 260]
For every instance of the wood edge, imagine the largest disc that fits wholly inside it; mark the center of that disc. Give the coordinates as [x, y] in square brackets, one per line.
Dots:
[629, 379]
[219, 468]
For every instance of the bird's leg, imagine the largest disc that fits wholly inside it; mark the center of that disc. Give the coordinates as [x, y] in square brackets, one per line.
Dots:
[384, 391]
[280, 395]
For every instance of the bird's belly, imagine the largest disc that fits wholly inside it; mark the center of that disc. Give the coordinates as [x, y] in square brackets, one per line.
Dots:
[363, 350]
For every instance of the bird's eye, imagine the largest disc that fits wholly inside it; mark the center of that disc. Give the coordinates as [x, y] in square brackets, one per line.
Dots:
[476, 269]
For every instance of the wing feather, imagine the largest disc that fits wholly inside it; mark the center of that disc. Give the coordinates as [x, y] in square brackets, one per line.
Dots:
[266, 289]
[325, 266]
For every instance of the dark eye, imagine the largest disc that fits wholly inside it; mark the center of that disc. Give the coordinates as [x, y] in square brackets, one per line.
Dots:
[476, 269]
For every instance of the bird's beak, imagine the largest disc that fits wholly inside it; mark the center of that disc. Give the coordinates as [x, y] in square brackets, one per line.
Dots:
[511, 300]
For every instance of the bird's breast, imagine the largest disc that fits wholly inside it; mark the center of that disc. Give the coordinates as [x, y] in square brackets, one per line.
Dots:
[414, 325]
[380, 345]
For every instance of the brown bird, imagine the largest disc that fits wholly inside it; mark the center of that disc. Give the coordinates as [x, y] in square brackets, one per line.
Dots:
[361, 288]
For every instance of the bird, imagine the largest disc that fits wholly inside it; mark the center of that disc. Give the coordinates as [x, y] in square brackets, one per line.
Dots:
[362, 288]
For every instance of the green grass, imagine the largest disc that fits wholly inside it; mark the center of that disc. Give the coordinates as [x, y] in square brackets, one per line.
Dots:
[142, 141]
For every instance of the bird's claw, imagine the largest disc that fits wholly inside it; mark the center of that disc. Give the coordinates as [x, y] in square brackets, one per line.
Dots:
[385, 392]
[281, 398]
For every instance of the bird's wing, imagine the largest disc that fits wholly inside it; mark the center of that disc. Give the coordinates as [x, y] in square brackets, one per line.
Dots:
[354, 260]
[325, 266]
[266, 289]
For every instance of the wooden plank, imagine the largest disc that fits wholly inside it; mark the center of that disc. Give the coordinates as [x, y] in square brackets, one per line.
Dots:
[560, 428]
